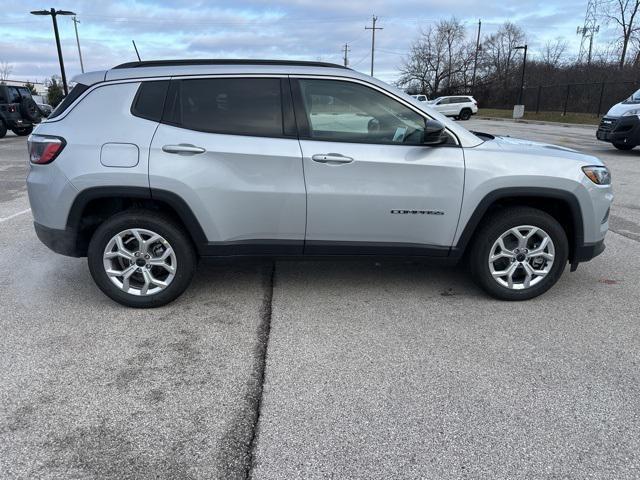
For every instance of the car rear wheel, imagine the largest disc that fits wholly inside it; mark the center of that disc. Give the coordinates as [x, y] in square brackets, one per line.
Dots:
[623, 146]
[519, 253]
[465, 114]
[22, 132]
[141, 259]
[3, 129]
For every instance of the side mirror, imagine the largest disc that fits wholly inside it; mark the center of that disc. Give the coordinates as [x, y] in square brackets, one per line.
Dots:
[434, 133]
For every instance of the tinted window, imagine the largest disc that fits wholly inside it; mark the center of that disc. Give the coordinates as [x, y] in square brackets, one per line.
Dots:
[237, 106]
[444, 101]
[349, 112]
[14, 95]
[149, 100]
[75, 92]
[24, 91]
[3, 94]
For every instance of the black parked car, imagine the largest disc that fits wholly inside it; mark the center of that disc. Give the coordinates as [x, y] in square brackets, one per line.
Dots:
[18, 110]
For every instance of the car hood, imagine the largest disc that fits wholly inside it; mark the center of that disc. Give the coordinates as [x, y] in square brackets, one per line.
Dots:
[530, 147]
[620, 109]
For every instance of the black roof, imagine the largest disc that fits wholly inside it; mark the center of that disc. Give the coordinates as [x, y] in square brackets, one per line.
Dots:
[224, 61]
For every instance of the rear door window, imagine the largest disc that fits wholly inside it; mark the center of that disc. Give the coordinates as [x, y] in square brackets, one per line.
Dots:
[14, 95]
[235, 106]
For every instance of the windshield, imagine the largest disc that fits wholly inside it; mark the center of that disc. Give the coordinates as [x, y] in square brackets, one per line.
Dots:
[635, 98]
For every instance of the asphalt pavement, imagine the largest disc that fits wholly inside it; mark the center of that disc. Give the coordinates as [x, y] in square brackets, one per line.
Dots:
[322, 369]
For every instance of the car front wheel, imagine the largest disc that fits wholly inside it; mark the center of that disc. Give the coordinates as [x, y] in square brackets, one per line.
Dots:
[141, 259]
[519, 253]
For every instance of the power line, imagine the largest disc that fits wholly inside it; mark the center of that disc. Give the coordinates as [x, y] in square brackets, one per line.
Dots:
[373, 29]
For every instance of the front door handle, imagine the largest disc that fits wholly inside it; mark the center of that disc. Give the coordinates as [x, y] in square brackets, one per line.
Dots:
[331, 158]
[183, 149]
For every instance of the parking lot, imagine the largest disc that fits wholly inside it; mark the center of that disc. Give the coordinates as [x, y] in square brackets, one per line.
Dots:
[322, 369]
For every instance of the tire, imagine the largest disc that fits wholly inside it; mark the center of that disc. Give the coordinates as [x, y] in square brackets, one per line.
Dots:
[465, 114]
[623, 146]
[494, 228]
[29, 110]
[182, 257]
[22, 132]
[3, 129]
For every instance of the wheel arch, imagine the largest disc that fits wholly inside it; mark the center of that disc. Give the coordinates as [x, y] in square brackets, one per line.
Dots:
[94, 205]
[564, 206]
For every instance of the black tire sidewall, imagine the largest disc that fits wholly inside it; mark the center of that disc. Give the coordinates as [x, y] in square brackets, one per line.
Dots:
[465, 114]
[499, 224]
[623, 146]
[3, 129]
[181, 244]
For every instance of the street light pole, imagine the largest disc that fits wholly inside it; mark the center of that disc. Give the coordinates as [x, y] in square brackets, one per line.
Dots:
[524, 66]
[54, 13]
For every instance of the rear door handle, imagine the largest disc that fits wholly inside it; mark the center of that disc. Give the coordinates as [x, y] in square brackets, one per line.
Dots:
[183, 149]
[331, 158]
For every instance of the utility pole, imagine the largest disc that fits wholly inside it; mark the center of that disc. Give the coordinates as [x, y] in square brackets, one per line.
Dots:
[346, 50]
[75, 25]
[54, 13]
[475, 61]
[373, 29]
[524, 66]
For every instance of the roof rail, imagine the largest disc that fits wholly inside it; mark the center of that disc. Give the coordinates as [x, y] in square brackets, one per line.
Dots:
[224, 61]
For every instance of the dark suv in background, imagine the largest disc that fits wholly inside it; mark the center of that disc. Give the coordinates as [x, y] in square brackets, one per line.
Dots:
[18, 110]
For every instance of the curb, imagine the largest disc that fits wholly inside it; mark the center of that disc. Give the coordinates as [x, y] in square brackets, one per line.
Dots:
[535, 122]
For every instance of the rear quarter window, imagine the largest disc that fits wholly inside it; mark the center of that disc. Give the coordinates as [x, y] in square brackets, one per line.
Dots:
[149, 100]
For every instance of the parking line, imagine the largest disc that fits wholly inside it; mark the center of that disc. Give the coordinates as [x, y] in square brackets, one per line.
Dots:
[4, 219]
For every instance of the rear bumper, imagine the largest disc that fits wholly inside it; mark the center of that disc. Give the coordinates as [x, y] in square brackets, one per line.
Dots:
[64, 242]
[18, 123]
[624, 130]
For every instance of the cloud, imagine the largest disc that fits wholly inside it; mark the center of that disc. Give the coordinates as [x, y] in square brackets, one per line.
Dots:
[295, 29]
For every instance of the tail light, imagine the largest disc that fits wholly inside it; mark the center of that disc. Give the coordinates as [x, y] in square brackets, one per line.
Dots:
[12, 108]
[44, 149]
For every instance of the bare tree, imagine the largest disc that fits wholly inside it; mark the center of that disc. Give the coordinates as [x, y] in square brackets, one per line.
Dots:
[553, 52]
[439, 57]
[498, 51]
[624, 14]
[5, 70]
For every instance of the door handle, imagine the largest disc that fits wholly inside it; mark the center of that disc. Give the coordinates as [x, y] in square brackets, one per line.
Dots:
[183, 149]
[331, 158]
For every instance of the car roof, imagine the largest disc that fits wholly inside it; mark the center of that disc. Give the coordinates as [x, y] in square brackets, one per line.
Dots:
[166, 68]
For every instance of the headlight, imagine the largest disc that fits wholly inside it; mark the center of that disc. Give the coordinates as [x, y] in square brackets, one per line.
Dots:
[598, 175]
[629, 113]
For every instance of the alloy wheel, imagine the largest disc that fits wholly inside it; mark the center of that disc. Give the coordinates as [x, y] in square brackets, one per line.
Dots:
[139, 262]
[521, 257]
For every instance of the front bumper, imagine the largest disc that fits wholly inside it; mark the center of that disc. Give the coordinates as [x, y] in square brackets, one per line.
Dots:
[623, 130]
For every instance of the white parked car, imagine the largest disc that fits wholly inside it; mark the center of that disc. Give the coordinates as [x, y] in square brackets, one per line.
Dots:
[461, 107]
[421, 98]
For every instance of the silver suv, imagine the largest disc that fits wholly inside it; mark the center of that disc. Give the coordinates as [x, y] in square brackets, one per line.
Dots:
[149, 166]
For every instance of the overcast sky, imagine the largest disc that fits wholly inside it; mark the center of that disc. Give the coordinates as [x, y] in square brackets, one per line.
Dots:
[295, 29]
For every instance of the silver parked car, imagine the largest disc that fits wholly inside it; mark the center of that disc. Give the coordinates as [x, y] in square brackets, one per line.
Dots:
[229, 158]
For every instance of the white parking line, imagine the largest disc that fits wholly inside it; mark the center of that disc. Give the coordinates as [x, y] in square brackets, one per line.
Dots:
[4, 219]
